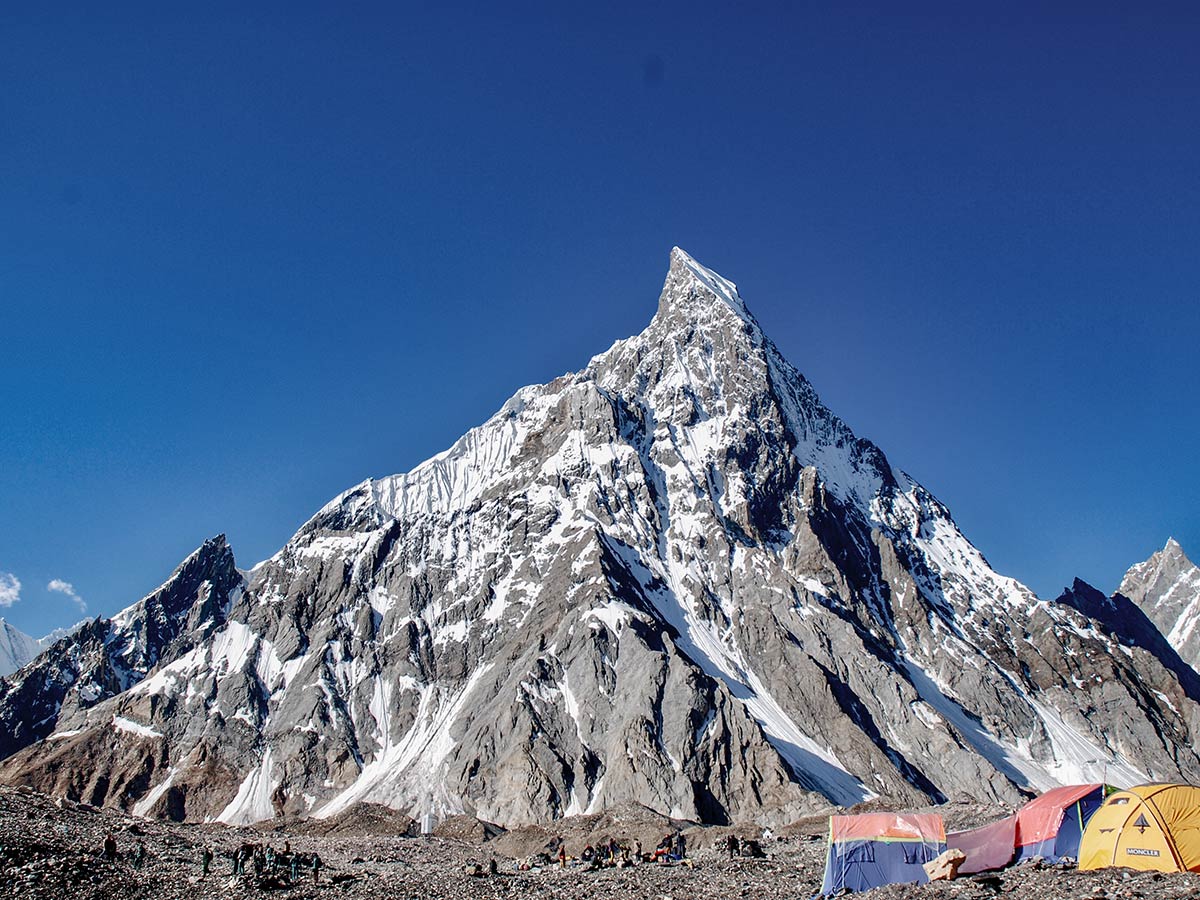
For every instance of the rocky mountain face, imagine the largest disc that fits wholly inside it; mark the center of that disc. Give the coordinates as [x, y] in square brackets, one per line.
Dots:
[1167, 588]
[16, 648]
[102, 658]
[673, 578]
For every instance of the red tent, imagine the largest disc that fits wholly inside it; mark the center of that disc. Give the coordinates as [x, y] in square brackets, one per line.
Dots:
[1038, 821]
[1049, 826]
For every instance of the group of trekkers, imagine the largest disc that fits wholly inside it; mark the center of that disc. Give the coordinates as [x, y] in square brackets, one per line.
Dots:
[137, 857]
[266, 860]
[746, 847]
[612, 853]
[257, 859]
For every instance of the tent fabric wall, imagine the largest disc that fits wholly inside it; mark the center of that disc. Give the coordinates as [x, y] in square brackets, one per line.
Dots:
[1049, 827]
[868, 851]
[988, 848]
[1070, 832]
[1148, 827]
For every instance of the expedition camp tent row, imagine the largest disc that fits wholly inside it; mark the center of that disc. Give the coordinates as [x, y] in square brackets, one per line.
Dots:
[1148, 827]
[1049, 827]
[871, 850]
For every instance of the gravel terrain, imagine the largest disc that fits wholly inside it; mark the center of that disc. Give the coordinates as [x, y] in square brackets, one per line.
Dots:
[51, 852]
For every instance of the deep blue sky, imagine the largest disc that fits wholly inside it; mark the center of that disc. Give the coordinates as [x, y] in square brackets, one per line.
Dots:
[248, 259]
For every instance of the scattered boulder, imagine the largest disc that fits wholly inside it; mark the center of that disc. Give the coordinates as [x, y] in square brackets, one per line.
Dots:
[945, 866]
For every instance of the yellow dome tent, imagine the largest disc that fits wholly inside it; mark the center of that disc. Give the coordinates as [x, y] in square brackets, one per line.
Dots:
[1151, 826]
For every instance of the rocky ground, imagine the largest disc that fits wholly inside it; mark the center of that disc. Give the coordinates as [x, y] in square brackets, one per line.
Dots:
[52, 852]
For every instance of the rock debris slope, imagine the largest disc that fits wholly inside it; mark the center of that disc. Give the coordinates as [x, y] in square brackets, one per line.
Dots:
[673, 578]
[1167, 588]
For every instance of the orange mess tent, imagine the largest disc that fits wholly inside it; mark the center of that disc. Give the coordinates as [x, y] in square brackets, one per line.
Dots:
[1151, 826]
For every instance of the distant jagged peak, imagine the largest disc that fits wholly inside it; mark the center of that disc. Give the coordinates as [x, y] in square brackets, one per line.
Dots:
[1173, 551]
[1171, 554]
[16, 648]
[1087, 594]
[59, 633]
[1169, 562]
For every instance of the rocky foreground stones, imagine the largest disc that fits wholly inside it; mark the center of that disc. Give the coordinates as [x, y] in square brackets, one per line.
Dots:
[51, 852]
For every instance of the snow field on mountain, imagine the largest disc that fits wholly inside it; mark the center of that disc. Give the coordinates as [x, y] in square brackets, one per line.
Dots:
[416, 760]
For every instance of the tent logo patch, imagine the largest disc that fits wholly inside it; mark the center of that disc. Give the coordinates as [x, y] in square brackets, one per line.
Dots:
[1139, 851]
[1141, 825]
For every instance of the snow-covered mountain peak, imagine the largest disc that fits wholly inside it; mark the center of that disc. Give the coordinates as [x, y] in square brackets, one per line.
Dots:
[189, 604]
[701, 343]
[1167, 587]
[16, 648]
[694, 293]
[101, 658]
[672, 578]
[214, 550]
[1169, 562]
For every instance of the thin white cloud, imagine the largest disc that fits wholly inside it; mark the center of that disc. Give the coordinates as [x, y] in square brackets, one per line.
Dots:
[10, 588]
[65, 587]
